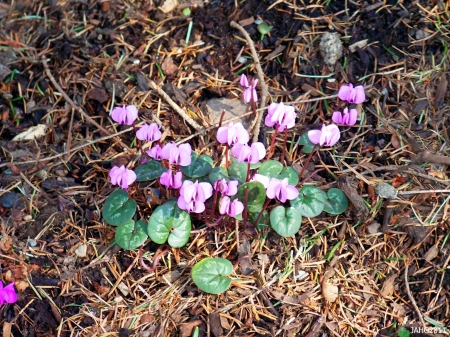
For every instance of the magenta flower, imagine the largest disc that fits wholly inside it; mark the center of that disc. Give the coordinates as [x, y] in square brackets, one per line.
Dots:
[225, 188]
[232, 134]
[171, 180]
[178, 155]
[352, 95]
[281, 190]
[193, 196]
[283, 116]
[345, 118]
[249, 154]
[125, 114]
[122, 176]
[155, 152]
[7, 294]
[231, 208]
[150, 133]
[328, 135]
[250, 91]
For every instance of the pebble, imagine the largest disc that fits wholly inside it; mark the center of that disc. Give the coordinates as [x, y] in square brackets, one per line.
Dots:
[10, 199]
[32, 243]
[387, 191]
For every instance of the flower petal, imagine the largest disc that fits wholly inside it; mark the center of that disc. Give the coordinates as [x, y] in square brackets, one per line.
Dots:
[314, 136]
[353, 115]
[244, 81]
[345, 91]
[337, 117]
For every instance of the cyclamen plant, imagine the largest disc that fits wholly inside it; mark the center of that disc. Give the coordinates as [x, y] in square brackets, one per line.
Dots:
[256, 192]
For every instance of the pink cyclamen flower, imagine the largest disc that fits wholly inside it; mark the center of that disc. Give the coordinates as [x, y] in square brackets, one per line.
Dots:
[122, 176]
[352, 94]
[283, 116]
[249, 154]
[328, 135]
[232, 208]
[7, 294]
[193, 196]
[125, 114]
[150, 133]
[281, 190]
[178, 155]
[171, 180]
[155, 152]
[232, 134]
[250, 91]
[225, 188]
[345, 117]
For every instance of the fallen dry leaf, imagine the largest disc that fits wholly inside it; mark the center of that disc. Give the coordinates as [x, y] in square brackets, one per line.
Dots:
[431, 253]
[388, 286]
[186, 328]
[6, 243]
[168, 6]
[329, 291]
[31, 133]
[168, 66]
[21, 285]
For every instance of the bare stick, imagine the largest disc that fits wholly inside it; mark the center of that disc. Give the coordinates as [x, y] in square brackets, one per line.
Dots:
[411, 298]
[74, 106]
[260, 74]
[175, 106]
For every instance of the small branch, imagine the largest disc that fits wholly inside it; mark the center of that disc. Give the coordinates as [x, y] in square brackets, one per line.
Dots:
[73, 105]
[428, 157]
[175, 106]
[159, 254]
[260, 74]
[411, 298]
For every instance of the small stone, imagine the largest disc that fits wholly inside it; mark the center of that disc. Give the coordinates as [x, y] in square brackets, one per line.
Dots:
[123, 289]
[386, 191]
[32, 243]
[10, 199]
[27, 217]
[373, 227]
[242, 59]
[81, 250]
[331, 48]
[232, 108]
[42, 174]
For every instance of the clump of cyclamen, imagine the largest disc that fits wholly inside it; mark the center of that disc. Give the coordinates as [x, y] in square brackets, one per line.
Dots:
[193, 196]
[122, 176]
[281, 116]
[352, 94]
[345, 117]
[328, 135]
[125, 114]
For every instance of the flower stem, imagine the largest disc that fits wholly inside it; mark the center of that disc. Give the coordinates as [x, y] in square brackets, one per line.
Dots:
[245, 215]
[226, 155]
[138, 140]
[247, 178]
[284, 147]
[214, 204]
[272, 144]
[261, 213]
[306, 163]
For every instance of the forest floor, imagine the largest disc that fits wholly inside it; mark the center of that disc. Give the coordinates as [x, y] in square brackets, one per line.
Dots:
[65, 64]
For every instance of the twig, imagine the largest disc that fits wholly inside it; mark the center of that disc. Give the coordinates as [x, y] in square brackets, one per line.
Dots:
[45, 195]
[175, 106]
[411, 298]
[74, 106]
[260, 74]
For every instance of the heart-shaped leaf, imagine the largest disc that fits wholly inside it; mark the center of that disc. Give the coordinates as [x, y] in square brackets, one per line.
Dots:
[131, 235]
[149, 171]
[238, 171]
[118, 209]
[199, 167]
[270, 168]
[169, 223]
[218, 173]
[290, 173]
[285, 221]
[310, 201]
[336, 202]
[256, 195]
[307, 145]
[210, 275]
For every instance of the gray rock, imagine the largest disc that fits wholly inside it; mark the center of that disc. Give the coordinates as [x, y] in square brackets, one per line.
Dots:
[10, 199]
[232, 108]
[387, 191]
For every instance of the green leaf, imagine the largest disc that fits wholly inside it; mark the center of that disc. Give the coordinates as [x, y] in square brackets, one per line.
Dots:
[310, 201]
[291, 174]
[237, 171]
[336, 202]
[131, 235]
[169, 223]
[256, 196]
[218, 173]
[307, 145]
[149, 171]
[210, 275]
[403, 332]
[118, 209]
[263, 221]
[270, 168]
[263, 28]
[199, 167]
[285, 221]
